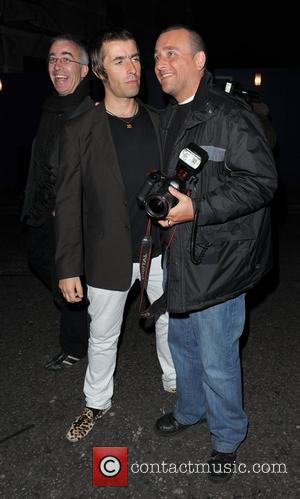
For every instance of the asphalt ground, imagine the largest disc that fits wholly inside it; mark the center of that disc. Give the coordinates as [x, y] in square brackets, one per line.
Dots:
[37, 406]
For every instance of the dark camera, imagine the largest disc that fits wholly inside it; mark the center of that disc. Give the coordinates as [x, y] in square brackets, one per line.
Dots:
[154, 195]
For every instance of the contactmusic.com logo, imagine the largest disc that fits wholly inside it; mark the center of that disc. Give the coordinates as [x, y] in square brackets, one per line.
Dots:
[110, 466]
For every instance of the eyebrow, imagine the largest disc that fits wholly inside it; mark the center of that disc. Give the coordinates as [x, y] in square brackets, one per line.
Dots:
[123, 57]
[167, 47]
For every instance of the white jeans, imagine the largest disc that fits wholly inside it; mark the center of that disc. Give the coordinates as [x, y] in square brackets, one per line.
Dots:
[106, 311]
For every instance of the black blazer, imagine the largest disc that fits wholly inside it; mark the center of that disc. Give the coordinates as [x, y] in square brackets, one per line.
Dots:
[92, 221]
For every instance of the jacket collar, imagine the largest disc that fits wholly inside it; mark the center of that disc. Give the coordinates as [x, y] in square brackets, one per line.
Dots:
[201, 106]
[104, 141]
[202, 94]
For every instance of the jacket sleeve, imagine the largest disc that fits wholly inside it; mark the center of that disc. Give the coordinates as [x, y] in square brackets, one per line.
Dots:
[249, 179]
[68, 209]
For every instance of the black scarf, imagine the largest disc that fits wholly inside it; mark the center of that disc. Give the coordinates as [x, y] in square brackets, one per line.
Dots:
[56, 110]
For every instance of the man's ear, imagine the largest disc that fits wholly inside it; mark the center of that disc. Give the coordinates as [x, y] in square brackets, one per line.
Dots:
[84, 70]
[200, 59]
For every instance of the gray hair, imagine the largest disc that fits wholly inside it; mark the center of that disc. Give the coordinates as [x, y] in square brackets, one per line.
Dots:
[84, 56]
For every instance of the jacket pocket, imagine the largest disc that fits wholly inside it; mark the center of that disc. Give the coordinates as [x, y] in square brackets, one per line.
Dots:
[234, 230]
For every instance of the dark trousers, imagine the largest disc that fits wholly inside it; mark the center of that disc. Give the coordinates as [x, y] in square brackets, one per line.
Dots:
[74, 319]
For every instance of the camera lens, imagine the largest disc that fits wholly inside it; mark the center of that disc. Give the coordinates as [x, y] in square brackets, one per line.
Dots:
[157, 206]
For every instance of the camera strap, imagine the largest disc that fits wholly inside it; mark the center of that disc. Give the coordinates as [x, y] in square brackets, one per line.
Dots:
[145, 260]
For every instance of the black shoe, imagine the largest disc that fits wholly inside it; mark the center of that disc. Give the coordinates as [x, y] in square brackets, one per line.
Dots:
[221, 466]
[61, 361]
[167, 426]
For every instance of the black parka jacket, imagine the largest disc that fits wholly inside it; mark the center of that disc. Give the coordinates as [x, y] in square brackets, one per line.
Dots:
[232, 196]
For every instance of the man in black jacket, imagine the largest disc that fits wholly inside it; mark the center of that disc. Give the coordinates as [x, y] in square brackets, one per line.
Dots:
[105, 156]
[227, 211]
[67, 68]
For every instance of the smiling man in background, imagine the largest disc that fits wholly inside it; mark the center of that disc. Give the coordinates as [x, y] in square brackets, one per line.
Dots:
[67, 69]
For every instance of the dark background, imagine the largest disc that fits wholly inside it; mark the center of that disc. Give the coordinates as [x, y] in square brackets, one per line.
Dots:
[38, 406]
[241, 40]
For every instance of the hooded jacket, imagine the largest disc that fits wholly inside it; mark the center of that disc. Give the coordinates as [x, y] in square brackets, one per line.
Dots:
[231, 197]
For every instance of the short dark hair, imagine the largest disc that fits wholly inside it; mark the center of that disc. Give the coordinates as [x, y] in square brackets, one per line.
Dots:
[97, 52]
[84, 56]
[197, 42]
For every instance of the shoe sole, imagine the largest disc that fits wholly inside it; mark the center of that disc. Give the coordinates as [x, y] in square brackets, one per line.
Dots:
[69, 361]
[52, 367]
[180, 430]
[173, 434]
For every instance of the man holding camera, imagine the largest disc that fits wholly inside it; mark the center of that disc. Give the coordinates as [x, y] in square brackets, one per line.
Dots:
[220, 242]
[105, 156]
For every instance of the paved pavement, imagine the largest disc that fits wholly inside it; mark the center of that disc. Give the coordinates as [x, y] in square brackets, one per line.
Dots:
[37, 406]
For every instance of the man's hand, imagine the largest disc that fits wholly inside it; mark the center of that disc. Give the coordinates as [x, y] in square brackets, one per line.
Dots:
[71, 289]
[182, 212]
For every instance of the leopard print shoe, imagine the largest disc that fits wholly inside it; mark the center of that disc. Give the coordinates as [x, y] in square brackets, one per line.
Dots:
[82, 426]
